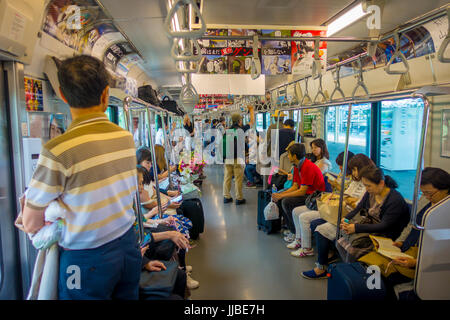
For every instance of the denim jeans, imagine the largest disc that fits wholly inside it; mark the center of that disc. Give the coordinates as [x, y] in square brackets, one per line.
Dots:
[251, 174]
[323, 247]
[111, 271]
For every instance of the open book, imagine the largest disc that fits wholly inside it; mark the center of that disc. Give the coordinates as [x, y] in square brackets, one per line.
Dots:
[387, 249]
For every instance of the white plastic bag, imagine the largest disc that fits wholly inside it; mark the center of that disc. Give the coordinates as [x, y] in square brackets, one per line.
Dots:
[271, 211]
[50, 233]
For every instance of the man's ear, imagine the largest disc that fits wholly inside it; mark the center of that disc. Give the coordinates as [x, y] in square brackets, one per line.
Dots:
[62, 95]
[105, 98]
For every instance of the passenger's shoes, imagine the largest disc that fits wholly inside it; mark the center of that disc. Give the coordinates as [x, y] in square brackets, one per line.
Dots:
[311, 274]
[227, 200]
[294, 244]
[191, 283]
[238, 202]
[250, 185]
[300, 253]
[289, 238]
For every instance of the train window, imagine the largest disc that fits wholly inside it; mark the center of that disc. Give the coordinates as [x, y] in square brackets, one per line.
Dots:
[400, 140]
[336, 128]
[260, 122]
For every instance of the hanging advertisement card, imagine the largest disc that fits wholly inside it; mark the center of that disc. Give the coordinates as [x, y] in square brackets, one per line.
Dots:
[34, 97]
[303, 51]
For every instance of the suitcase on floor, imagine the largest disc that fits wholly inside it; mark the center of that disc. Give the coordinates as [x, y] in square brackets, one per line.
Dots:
[349, 281]
[268, 226]
[193, 210]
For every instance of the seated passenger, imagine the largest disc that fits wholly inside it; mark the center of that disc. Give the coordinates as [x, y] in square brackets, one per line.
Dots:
[302, 217]
[144, 159]
[179, 235]
[320, 151]
[253, 177]
[307, 178]
[161, 164]
[382, 210]
[435, 186]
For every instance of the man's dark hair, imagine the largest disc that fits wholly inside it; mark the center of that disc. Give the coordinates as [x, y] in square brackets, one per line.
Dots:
[298, 150]
[289, 123]
[143, 153]
[438, 178]
[340, 160]
[82, 80]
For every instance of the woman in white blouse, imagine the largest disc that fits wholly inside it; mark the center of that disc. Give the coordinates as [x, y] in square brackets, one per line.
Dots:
[320, 151]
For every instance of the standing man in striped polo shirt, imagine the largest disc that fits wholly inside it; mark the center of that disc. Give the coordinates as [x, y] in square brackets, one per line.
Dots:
[91, 171]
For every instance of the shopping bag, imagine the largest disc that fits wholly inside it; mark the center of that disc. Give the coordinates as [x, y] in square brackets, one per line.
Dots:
[271, 211]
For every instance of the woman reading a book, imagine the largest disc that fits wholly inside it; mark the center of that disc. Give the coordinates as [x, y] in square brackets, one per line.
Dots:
[435, 187]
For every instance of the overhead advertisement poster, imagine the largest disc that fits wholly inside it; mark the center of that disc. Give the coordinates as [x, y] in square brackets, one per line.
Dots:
[303, 51]
[276, 54]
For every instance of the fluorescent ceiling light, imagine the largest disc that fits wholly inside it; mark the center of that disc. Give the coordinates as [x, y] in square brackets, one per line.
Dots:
[346, 19]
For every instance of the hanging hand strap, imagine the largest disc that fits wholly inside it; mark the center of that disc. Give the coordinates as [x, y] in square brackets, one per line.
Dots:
[256, 63]
[444, 44]
[337, 84]
[397, 54]
[192, 34]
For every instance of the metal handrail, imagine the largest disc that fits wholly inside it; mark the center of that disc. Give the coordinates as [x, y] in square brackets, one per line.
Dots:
[398, 53]
[186, 54]
[360, 82]
[256, 63]
[192, 34]
[337, 84]
[167, 145]
[446, 41]
[137, 200]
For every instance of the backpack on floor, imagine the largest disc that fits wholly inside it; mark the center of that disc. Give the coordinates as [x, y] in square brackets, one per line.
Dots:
[193, 210]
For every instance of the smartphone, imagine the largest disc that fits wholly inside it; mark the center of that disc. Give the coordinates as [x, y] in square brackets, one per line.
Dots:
[147, 240]
[177, 199]
[346, 220]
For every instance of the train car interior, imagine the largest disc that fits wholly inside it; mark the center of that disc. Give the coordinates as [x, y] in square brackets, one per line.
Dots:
[336, 114]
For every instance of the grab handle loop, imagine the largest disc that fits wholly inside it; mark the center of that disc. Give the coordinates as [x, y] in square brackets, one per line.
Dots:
[444, 44]
[188, 95]
[317, 65]
[337, 84]
[320, 92]
[306, 95]
[256, 63]
[188, 54]
[193, 34]
[360, 82]
[398, 53]
[186, 70]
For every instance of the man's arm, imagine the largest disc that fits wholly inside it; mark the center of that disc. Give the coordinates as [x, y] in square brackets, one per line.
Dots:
[296, 193]
[33, 220]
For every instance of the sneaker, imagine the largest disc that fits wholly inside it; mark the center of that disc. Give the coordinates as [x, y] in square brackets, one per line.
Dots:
[188, 269]
[289, 238]
[300, 253]
[227, 200]
[286, 232]
[250, 185]
[238, 202]
[311, 274]
[294, 244]
[191, 283]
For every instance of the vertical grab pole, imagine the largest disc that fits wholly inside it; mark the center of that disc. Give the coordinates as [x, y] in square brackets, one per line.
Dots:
[137, 200]
[423, 137]
[344, 171]
[297, 131]
[166, 145]
[154, 164]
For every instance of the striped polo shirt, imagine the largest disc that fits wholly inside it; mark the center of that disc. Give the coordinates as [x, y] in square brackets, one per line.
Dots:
[91, 171]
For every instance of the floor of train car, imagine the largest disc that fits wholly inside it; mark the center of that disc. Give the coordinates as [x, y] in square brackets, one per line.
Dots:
[234, 260]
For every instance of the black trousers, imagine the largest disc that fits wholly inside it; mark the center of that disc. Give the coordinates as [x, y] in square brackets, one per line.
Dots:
[286, 207]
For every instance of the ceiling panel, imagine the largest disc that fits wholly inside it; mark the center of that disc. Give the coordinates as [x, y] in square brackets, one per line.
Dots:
[271, 12]
[135, 9]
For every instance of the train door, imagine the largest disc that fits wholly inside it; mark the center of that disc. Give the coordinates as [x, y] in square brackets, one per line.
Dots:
[10, 281]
